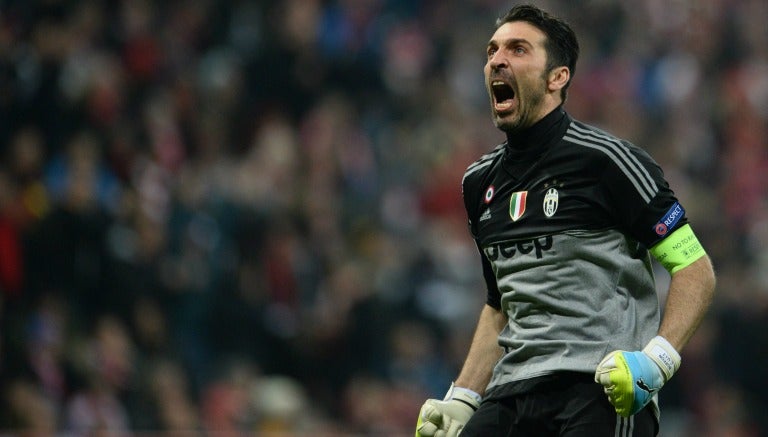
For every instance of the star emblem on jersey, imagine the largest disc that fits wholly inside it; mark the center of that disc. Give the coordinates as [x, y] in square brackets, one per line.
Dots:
[517, 205]
[550, 202]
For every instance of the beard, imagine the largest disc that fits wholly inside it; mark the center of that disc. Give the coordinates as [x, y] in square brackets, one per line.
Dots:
[528, 109]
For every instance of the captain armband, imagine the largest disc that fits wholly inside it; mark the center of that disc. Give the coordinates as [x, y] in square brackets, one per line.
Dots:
[680, 249]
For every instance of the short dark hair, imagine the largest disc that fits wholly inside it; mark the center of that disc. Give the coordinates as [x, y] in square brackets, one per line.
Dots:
[561, 45]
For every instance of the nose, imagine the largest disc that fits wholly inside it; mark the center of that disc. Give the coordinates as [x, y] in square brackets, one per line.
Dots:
[497, 61]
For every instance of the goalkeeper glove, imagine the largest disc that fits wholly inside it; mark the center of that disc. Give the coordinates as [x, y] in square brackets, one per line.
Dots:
[632, 379]
[447, 418]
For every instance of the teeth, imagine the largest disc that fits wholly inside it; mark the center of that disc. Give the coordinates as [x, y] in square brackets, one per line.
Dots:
[497, 82]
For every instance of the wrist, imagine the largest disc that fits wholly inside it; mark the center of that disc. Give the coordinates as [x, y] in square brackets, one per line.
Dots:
[664, 355]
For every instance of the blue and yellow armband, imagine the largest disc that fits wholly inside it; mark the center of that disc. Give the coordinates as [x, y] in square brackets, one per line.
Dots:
[679, 249]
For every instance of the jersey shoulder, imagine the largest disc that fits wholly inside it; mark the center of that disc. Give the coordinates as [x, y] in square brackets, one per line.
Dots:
[478, 169]
[597, 142]
[601, 144]
[619, 159]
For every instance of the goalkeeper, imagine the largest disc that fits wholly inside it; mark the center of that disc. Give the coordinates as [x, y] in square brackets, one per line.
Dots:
[567, 218]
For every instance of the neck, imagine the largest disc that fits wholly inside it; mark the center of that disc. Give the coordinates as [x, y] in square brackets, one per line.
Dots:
[522, 138]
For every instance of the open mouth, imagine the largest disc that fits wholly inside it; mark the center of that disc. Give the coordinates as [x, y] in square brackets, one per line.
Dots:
[503, 95]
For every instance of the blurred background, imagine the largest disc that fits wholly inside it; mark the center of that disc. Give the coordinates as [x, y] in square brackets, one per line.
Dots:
[244, 217]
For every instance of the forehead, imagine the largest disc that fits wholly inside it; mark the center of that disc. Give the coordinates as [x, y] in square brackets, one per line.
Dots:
[518, 30]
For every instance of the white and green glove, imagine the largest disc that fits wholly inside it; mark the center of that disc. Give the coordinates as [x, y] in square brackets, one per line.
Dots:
[632, 379]
[447, 418]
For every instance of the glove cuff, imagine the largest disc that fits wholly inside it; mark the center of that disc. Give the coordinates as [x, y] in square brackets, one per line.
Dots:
[664, 355]
[464, 395]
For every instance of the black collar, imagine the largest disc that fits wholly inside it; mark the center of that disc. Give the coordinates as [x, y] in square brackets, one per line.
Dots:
[541, 132]
[524, 148]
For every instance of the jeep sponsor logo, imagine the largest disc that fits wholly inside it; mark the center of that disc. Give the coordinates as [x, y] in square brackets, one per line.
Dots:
[509, 249]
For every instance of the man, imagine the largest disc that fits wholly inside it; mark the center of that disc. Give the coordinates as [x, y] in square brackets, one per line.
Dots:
[566, 218]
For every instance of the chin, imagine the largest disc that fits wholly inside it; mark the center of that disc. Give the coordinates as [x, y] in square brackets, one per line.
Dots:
[506, 124]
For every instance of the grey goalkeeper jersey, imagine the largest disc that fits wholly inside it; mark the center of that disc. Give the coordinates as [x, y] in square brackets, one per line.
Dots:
[563, 215]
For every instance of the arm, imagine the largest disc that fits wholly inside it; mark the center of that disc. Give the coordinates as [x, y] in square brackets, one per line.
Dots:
[690, 294]
[447, 417]
[483, 352]
[632, 379]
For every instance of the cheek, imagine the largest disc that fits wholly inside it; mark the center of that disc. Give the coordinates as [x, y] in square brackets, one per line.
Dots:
[487, 66]
[485, 82]
[533, 83]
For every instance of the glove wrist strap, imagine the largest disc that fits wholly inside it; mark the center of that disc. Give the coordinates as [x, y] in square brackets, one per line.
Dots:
[465, 395]
[664, 355]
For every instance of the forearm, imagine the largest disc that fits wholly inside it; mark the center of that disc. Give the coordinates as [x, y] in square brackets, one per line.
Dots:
[690, 294]
[484, 351]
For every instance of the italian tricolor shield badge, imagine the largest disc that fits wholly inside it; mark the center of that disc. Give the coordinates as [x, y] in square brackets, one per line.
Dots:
[517, 205]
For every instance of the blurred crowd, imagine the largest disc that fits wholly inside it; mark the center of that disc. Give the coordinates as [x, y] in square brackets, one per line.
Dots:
[245, 217]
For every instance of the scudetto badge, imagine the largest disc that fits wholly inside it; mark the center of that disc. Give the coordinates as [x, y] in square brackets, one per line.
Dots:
[550, 202]
[517, 205]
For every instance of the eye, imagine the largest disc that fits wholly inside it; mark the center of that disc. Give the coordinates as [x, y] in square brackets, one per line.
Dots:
[491, 51]
[519, 50]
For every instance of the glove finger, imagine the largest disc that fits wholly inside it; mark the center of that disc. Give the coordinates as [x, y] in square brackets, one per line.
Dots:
[606, 366]
[454, 429]
[609, 361]
[604, 378]
[430, 413]
[429, 420]
[427, 429]
[440, 433]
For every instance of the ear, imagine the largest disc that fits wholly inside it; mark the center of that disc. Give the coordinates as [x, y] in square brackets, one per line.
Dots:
[557, 78]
